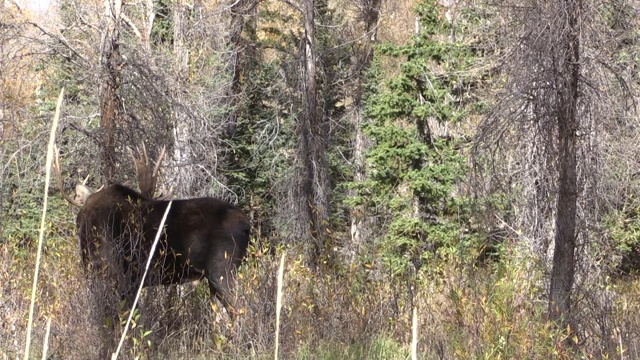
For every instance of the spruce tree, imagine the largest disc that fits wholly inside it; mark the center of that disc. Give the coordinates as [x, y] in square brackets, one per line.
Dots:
[416, 164]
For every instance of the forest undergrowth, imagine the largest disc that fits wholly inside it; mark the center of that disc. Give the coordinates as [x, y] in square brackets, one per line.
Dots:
[494, 310]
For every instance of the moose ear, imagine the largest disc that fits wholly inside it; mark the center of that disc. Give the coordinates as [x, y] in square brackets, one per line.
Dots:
[82, 193]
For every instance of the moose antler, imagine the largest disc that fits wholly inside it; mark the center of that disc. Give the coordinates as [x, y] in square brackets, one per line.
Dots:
[147, 177]
[57, 172]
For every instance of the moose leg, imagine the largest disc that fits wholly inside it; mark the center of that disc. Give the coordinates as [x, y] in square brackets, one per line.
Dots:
[219, 287]
[128, 295]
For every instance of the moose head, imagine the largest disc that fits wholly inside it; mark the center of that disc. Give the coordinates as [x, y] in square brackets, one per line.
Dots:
[202, 237]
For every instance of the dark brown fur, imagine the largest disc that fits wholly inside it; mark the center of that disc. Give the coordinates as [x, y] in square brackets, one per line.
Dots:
[203, 237]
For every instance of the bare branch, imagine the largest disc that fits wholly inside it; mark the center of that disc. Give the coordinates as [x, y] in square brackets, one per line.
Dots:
[131, 25]
[61, 40]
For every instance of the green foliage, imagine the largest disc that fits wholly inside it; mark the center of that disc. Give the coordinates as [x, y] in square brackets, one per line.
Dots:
[23, 182]
[257, 159]
[62, 73]
[498, 312]
[162, 31]
[379, 348]
[271, 104]
[416, 170]
[622, 227]
[137, 335]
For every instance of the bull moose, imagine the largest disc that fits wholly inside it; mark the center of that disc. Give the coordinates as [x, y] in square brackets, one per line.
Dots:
[202, 237]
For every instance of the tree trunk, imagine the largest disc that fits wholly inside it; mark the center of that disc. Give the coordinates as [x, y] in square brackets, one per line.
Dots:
[563, 271]
[312, 188]
[359, 224]
[110, 106]
[150, 16]
[239, 10]
[179, 174]
[238, 13]
[180, 51]
[309, 119]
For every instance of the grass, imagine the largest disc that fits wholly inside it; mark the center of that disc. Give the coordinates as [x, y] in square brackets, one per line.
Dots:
[377, 348]
[491, 312]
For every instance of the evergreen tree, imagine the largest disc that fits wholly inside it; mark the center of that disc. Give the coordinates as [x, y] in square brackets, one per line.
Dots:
[416, 165]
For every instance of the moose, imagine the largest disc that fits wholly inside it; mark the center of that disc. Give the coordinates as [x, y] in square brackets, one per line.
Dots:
[202, 237]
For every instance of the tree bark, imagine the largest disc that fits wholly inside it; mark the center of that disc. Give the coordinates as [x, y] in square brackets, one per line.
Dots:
[370, 15]
[312, 193]
[239, 10]
[562, 276]
[309, 119]
[150, 16]
[179, 174]
[110, 106]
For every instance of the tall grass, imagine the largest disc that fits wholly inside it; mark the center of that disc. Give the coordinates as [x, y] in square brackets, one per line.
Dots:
[495, 312]
[36, 272]
[279, 303]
